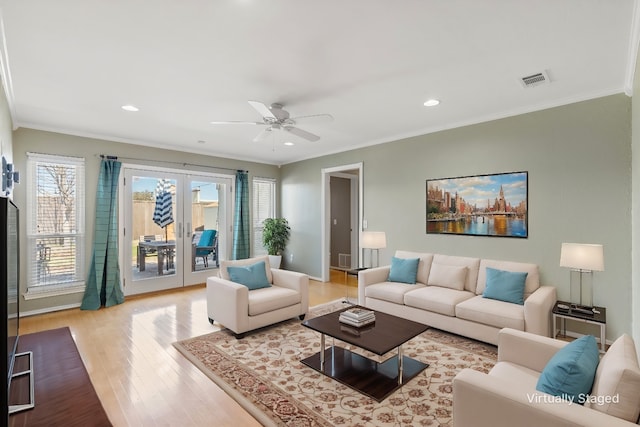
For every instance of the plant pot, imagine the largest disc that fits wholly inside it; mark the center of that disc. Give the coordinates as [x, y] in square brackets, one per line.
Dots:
[275, 260]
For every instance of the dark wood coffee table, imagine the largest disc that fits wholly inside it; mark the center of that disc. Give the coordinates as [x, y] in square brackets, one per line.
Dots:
[374, 379]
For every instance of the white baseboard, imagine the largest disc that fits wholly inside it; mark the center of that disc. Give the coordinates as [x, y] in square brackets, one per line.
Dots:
[49, 310]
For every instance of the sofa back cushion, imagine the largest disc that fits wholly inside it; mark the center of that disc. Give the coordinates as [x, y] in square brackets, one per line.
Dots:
[448, 276]
[618, 376]
[224, 273]
[424, 266]
[530, 285]
[472, 265]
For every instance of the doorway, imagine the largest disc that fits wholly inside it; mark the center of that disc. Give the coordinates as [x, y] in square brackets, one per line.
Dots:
[176, 227]
[347, 178]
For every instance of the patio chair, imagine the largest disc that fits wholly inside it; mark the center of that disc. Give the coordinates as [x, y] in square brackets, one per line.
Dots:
[206, 245]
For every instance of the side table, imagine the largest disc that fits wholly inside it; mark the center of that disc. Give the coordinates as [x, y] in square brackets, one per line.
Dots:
[598, 318]
[347, 273]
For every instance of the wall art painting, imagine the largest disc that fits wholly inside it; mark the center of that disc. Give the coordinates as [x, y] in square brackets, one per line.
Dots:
[493, 205]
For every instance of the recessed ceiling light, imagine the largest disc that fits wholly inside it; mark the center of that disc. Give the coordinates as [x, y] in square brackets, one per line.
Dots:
[289, 144]
[129, 107]
[431, 102]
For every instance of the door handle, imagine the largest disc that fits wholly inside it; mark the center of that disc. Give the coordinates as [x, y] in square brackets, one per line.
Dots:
[188, 229]
[180, 230]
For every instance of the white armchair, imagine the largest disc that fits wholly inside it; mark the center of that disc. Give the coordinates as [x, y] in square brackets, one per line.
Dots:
[507, 396]
[241, 310]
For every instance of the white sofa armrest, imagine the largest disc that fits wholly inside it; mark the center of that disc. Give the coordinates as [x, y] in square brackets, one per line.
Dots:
[227, 302]
[537, 311]
[480, 400]
[526, 349]
[371, 276]
[293, 280]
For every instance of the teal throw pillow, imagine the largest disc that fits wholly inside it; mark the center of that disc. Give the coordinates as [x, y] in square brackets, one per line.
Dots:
[505, 286]
[570, 372]
[252, 276]
[404, 270]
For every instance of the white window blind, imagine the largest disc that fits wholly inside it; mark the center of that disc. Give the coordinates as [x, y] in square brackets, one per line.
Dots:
[264, 206]
[55, 223]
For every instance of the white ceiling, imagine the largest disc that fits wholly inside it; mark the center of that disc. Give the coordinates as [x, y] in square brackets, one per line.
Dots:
[369, 63]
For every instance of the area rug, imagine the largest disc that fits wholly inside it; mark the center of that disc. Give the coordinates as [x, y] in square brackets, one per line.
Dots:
[264, 374]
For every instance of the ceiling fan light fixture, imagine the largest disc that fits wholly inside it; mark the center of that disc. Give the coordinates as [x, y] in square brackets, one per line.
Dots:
[129, 107]
[431, 102]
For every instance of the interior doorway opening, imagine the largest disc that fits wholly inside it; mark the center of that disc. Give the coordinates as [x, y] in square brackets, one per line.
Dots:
[341, 218]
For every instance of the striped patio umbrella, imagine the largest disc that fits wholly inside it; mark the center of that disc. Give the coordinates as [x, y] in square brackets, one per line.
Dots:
[163, 213]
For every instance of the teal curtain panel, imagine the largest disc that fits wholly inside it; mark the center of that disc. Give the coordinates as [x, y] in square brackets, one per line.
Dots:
[241, 231]
[103, 284]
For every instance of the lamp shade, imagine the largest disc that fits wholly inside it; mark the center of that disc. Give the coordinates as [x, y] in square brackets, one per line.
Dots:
[582, 256]
[374, 239]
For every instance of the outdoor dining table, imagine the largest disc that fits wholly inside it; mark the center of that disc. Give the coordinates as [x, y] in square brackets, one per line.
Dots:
[163, 249]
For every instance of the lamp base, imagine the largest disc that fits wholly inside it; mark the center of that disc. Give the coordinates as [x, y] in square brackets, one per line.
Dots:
[581, 288]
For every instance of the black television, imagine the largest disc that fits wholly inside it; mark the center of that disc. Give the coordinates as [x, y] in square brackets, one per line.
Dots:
[9, 287]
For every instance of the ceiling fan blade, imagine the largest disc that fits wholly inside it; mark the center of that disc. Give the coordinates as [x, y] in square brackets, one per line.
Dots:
[301, 133]
[263, 135]
[236, 123]
[316, 118]
[262, 109]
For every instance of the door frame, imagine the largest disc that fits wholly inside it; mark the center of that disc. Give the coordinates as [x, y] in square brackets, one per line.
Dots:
[356, 201]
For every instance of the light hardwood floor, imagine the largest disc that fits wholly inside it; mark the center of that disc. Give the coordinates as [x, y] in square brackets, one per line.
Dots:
[141, 379]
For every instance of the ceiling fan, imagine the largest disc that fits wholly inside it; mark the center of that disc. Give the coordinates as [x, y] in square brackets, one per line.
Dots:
[276, 117]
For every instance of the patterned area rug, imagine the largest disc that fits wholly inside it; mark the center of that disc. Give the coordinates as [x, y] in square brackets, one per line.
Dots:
[264, 374]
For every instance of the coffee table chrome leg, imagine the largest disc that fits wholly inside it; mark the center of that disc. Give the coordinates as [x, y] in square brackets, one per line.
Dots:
[322, 352]
[400, 365]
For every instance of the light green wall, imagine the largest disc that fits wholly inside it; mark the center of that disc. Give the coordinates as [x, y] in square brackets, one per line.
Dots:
[579, 162]
[635, 209]
[6, 127]
[29, 140]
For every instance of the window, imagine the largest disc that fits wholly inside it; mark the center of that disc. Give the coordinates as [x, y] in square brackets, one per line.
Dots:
[264, 206]
[55, 224]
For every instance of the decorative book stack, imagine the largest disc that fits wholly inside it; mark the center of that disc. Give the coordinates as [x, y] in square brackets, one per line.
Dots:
[357, 317]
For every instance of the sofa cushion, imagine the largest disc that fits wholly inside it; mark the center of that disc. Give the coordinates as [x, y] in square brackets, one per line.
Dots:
[471, 263]
[530, 285]
[507, 286]
[618, 375]
[252, 276]
[403, 270]
[424, 266]
[224, 274]
[448, 276]
[390, 291]
[273, 298]
[492, 312]
[569, 373]
[436, 299]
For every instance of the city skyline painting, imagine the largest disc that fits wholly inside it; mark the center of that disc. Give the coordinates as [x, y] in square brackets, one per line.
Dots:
[481, 205]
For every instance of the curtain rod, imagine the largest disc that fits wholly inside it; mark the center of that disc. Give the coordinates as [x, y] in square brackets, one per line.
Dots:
[105, 156]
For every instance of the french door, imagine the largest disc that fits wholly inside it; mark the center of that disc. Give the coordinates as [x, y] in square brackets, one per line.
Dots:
[176, 227]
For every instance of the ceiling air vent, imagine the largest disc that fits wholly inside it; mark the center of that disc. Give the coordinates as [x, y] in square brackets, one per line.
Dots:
[535, 79]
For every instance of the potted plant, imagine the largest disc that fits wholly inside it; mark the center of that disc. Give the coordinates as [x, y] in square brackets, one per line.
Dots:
[275, 235]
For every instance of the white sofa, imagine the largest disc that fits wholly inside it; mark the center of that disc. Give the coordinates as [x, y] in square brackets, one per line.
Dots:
[241, 310]
[507, 395]
[459, 308]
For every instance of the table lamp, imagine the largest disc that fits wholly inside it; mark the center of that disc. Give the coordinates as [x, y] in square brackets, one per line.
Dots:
[583, 259]
[374, 240]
